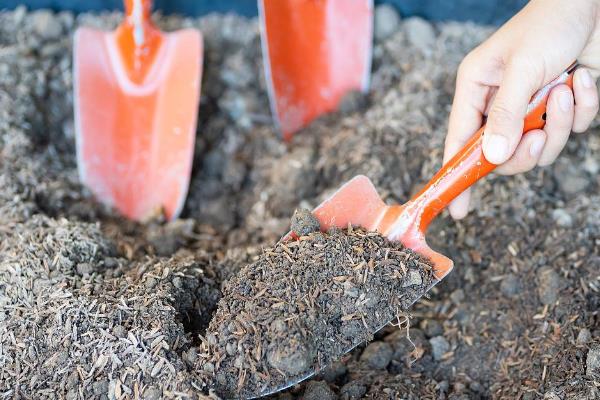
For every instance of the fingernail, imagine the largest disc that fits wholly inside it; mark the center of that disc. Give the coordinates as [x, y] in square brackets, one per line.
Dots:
[495, 148]
[536, 148]
[586, 78]
[565, 101]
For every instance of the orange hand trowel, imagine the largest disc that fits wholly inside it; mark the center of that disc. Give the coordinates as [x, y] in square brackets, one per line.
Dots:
[136, 94]
[314, 51]
[358, 203]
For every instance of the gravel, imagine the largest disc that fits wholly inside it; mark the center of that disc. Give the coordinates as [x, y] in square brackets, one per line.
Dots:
[386, 21]
[571, 179]
[304, 222]
[352, 391]
[414, 278]
[457, 296]
[420, 33]
[593, 361]
[432, 328]
[46, 24]
[511, 285]
[549, 285]
[377, 355]
[584, 336]
[318, 390]
[439, 347]
[562, 218]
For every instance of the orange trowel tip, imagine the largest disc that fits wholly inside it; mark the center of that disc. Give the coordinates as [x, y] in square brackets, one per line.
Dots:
[358, 203]
[136, 95]
[314, 53]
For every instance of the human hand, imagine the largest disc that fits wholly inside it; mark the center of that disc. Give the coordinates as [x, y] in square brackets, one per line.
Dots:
[498, 78]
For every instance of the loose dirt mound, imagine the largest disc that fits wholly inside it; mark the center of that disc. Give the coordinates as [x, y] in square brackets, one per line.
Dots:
[92, 306]
[306, 302]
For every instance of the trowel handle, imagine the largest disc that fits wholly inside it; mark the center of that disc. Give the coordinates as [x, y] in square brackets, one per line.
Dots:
[133, 7]
[138, 40]
[137, 25]
[469, 164]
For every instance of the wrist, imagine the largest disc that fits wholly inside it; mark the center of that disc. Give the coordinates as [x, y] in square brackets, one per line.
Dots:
[596, 10]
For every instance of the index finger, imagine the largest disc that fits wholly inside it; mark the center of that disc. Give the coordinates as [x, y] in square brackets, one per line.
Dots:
[466, 115]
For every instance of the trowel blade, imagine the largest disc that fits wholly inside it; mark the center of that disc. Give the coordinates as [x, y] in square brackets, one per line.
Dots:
[135, 140]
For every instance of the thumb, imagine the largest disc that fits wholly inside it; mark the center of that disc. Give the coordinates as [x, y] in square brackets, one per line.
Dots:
[504, 126]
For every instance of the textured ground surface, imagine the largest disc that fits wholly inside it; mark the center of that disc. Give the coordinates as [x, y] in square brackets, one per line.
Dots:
[94, 307]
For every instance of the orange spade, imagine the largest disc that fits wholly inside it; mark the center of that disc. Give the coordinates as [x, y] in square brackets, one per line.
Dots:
[358, 203]
[136, 94]
[314, 51]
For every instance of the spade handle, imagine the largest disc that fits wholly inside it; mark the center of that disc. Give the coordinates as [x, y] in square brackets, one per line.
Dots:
[138, 9]
[138, 40]
[469, 164]
[138, 21]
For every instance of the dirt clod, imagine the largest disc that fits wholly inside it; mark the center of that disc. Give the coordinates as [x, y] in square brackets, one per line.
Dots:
[304, 222]
[571, 179]
[334, 371]
[420, 32]
[152, 393]
[291, 355]
[318, 390]
[510, 285]
[377, 355]
[584, 336]
[413, 279]
[593, 361]
[562, 218]
[46, 24]
[406, 343]
[385, 21]
[439, 347]
[432, 328]
[549, 285]
[352, 391]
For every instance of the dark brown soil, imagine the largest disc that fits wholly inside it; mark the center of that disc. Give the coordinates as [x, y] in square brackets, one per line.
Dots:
[95, 307]
[304, 303]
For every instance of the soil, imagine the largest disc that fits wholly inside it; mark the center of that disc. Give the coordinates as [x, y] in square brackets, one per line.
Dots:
[304, 303]
[95, 307]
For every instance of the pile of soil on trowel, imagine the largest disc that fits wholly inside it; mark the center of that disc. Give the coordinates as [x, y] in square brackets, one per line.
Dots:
[306, 302]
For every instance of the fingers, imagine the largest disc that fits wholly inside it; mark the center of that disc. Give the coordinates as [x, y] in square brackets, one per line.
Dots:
[541, 147]
[560, 111]
[460, 205]
[505, 121]
[562, 115]
[465, 118]
[586, 99]
[517, 60]
[467, 110]
[526, 155]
